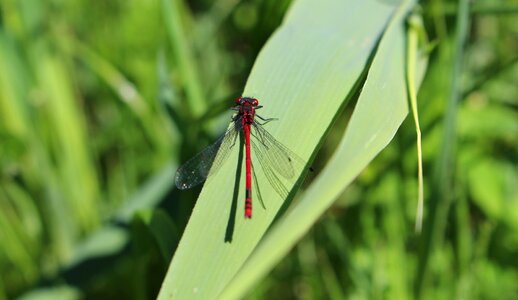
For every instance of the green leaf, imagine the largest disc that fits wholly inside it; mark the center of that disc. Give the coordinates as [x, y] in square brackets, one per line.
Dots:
[303, 77]
[157, 225]
[149, 194]
[488, 122]
[381, 109]
[104, 242]
[173, 10]
[53, 293]
[492, 184]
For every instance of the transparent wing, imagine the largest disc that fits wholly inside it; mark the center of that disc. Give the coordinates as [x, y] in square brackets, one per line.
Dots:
[273, 179]
[284, 161]
[280, 165]
[208, 161]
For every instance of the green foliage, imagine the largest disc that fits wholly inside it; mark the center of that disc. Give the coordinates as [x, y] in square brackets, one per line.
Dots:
[290, 92]
[100, 101]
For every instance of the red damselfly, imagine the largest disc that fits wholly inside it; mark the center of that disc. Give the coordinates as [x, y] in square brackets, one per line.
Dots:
[279, 164]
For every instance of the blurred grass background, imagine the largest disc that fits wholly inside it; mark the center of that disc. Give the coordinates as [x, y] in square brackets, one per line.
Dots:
[100, 100]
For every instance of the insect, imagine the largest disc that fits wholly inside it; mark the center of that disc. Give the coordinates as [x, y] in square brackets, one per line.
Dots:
[279, 164]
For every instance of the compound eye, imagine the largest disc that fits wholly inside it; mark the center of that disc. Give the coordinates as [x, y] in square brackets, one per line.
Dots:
[238, 100]
[255, 102]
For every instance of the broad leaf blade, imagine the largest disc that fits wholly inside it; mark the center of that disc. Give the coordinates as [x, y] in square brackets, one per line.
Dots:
[302, 77]
[380, 110]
